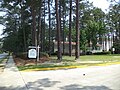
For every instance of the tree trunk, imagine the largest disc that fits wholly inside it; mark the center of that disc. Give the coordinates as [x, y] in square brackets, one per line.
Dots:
[63, 33]
[70, 21]
[33, 12]
[77, 53]
[21, 27]
[58, 32]
[49, 26]
[60, 17]
[39, 25]
[106, 42]
[44, 30]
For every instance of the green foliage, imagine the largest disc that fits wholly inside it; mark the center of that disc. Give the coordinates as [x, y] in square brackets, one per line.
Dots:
[94, 23]
[114, 24]
[4, 60]
[1, 51]
[83, 39]
[88, 60]
[117, 47]
[44, 54]
[102, 53]
[17, 28]
[22, 55]
[94, 30]
[48, 48]
[10, 43]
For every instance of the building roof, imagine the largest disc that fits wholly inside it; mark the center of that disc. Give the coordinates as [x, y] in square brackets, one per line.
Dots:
[73, 43]
[98, 45]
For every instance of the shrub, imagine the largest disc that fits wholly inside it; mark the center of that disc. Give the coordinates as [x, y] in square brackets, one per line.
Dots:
[117, 47]
[22, 55]
[88, 53]
[102, 53]
[44, 54]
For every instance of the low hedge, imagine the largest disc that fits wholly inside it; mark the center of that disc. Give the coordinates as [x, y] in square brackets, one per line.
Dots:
[22, 55]
[44, 54]
[102, 53]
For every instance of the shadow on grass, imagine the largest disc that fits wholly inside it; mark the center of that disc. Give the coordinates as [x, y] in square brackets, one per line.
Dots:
[78, 87]
[68, 60]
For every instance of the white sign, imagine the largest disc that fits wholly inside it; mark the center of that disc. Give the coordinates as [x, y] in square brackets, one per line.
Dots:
[113, 49]
[32, 53]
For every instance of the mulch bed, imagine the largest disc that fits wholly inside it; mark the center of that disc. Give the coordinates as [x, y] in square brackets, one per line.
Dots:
[26, 61]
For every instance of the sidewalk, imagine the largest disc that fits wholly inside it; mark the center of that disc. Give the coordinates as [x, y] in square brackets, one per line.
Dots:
[11, 78]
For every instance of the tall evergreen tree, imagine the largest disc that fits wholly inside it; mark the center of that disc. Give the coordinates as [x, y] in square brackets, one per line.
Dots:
[58, 32]
[77, 52]
[70, 28]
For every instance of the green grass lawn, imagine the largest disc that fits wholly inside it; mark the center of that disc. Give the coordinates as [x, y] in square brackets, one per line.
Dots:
[87, 60]
[115, 57]
[3, 61]
[100, 58]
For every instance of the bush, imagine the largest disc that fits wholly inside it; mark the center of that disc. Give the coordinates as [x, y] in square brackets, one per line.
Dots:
[1, 51]
[117, 47]
[44, 57]
[88, 53]
[44, 54]
[22, 55]
[102, 53]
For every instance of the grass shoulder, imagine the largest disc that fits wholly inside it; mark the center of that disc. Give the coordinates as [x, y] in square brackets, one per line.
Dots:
[3, 62]
[70, 62]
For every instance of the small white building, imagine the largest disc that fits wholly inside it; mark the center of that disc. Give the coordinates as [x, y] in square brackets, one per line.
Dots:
[66, 48]
[97, 49]
[106, 45]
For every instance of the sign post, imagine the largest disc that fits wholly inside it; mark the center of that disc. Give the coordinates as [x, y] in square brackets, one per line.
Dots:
[38, 52]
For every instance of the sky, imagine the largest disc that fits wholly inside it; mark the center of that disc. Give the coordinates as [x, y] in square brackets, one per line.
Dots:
[103, 4]
[1, 26]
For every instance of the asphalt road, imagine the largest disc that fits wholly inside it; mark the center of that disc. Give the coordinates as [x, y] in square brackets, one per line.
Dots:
[3, 55]
[91, 78]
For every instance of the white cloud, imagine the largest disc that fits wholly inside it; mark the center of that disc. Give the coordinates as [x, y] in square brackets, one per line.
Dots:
[103, 4]
[1, 30]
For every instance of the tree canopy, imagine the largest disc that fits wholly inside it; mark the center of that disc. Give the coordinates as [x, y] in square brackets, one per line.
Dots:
[35, 22]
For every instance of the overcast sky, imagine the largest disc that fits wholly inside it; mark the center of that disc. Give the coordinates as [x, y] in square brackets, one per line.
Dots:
[103, 4]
